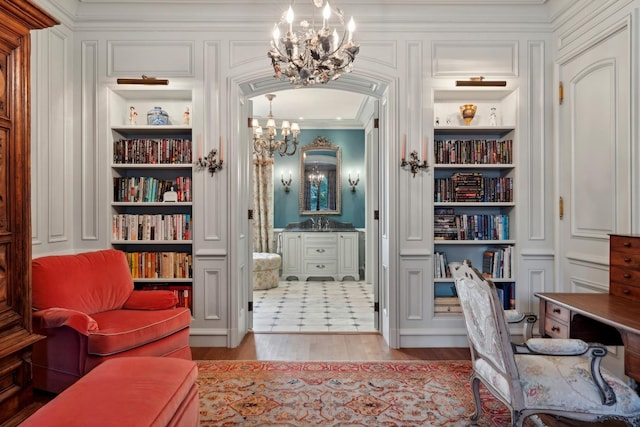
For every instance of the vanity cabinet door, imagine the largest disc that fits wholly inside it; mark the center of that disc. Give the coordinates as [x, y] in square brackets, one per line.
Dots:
[348, 259]
[291, 254]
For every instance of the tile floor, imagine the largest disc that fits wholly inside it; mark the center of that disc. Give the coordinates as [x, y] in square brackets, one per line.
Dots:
[314, 307]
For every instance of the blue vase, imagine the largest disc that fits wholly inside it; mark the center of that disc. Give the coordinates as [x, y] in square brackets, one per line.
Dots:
[157, 116]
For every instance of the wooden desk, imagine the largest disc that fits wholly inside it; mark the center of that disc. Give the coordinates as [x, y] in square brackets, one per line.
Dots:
[558, 310]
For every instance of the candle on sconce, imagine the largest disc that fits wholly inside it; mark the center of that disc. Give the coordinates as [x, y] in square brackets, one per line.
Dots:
[424, 150]
[403, 150]
[221, 148]
[199, 146]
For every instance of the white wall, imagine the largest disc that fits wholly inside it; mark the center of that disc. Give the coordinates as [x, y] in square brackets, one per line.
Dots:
[411, 48]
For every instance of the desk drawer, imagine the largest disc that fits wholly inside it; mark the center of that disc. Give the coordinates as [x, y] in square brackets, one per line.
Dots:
[624, 244]
[555, 329]
[557, 312]
[626, 276]
[625, 259]
[624, 290]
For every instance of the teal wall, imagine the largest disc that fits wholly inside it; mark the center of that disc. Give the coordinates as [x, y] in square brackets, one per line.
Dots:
[351, 143]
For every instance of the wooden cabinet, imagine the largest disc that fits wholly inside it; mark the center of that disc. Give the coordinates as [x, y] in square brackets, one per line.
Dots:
[18, 17]
[624, 269]
[320, 254]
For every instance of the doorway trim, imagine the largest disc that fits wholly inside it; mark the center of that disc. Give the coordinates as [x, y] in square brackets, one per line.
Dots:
[383, 89]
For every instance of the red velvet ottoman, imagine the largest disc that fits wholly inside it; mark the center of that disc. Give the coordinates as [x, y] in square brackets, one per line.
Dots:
[127, 391]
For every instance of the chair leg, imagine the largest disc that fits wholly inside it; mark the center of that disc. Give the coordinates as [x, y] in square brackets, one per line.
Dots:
[475, 386]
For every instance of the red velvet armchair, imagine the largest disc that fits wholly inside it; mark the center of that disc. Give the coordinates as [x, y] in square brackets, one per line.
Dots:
[87, 308]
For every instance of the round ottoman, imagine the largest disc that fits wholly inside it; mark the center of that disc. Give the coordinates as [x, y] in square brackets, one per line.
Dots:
[266, 270]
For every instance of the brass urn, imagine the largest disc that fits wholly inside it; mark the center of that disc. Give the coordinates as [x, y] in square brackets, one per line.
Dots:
[468, 112]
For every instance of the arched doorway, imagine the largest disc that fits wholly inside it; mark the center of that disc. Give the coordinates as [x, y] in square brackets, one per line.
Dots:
[319, 290]
[383, 90]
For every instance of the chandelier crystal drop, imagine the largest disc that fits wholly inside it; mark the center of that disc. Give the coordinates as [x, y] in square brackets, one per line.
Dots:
[308, 56]
[267, 143]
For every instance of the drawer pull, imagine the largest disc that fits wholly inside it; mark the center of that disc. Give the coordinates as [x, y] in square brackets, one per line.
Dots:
[556, 310]
[627, 260]
[320, 266]
[627, 244]
[555, 329]
[627, 276]
[626, 292]
[320, 251]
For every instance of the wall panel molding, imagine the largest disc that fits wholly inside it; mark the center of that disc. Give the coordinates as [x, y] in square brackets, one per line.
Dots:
[89, 140]
[212, 189]
[59, 138]
[486, 58]
[535, 141]
[214, 296]
[157, 58]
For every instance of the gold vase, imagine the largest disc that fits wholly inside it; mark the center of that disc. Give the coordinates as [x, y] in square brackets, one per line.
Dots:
[468, 112]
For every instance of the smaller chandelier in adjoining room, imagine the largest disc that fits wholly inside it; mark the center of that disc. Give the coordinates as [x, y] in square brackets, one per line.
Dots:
[267, 143]
[309, 56]
[315, 177]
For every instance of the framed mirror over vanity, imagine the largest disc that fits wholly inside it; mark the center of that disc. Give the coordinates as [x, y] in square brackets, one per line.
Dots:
[320, 190]
[320, 247]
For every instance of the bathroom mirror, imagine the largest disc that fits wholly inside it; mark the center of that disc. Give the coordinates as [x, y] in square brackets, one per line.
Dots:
[320, 184]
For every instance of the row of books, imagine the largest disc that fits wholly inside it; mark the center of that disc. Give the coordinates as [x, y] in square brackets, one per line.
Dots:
[152, 227]
[476, 151]
[183, 292]
[144, 189]
[471, 227]
[152, 151]
[160, 265]
[498, 263]
[473, 187]
[441, 266]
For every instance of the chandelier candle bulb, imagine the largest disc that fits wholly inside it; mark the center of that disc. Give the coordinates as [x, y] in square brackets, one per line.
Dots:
[221, 148]
[424, 149]
[199, 146]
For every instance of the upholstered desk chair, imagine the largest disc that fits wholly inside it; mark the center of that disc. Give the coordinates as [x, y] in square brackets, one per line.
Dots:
[513, 317]
[559, 377]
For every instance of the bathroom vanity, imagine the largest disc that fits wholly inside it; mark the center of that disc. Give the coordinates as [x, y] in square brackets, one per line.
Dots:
[317, 249]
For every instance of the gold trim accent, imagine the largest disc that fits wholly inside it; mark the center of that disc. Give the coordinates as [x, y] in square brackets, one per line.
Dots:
[145, 80]
[480, 81]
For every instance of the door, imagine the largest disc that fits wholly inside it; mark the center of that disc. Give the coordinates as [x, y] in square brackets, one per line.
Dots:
[241, 295]
[594, 163]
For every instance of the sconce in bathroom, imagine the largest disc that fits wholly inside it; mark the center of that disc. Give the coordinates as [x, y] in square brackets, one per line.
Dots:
[354, 183]
[285, 182]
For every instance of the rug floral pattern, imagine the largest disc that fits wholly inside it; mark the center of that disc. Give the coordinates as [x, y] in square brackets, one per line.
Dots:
[386, 393]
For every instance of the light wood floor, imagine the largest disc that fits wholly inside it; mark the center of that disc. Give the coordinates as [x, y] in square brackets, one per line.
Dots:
[371, 346]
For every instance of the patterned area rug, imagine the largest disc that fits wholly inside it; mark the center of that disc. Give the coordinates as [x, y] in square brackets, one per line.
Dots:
[386, 393]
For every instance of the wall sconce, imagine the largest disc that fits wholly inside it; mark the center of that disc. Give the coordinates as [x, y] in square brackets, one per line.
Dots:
[210, 162]
[285, 182]
[414, 162]
[352, 183]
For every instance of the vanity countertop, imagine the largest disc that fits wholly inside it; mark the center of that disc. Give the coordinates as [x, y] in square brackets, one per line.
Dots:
[322, 225]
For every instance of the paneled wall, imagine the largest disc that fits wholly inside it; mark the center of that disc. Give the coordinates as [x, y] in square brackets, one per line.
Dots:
[407, 52]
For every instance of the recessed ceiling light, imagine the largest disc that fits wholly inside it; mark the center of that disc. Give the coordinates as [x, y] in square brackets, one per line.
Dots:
[300, 118]
[338, 118]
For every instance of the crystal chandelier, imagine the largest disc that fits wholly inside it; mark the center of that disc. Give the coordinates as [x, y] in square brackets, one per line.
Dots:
[309, 55]
[267, 143]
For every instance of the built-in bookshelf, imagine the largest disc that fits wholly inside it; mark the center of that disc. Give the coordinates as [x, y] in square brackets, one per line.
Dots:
[473, 189]
[151, 177]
